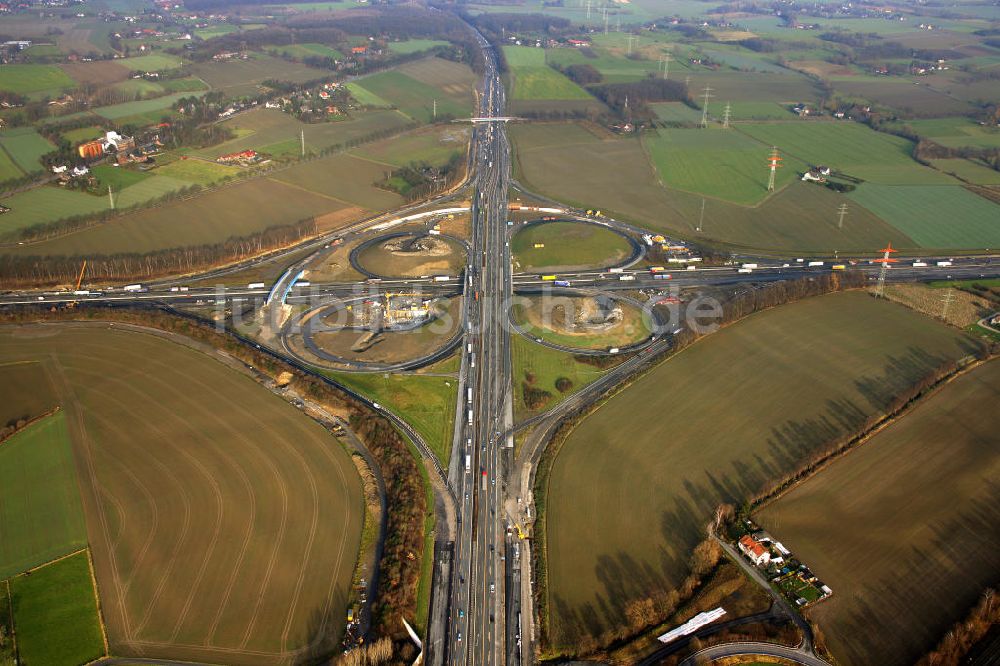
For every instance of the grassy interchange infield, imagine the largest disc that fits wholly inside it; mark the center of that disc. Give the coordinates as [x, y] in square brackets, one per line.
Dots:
[568, 246]
[615, 176]
[224, 525]
[635, 482]
[918, 505]
[380, 261]
[545, 367]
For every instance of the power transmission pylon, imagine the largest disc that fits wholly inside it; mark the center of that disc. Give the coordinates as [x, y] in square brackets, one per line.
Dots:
[111, 198]
[605, 20]
[949, 296]
[841, 212]
[434, 110]
[725, 116]
[701, 218]
[885, 261]
[704, 107]
[302, 142]
[628, 49]
[666, 66]
[774, 161]
[588, 10]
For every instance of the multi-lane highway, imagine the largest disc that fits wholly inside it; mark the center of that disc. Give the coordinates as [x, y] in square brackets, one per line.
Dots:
[482, 609]
[477, 615]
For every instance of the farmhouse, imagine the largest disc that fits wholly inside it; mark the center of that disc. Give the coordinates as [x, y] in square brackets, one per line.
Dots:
[243, 157]
[758, 553]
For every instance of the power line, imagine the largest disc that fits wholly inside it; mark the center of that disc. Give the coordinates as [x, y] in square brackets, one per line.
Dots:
[949, 296]
[774, 161]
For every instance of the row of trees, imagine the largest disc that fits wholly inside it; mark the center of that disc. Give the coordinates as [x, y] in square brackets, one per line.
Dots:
[966, 633]
[23, 270]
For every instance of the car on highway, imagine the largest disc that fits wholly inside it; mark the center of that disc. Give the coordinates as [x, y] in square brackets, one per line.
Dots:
[493, 588]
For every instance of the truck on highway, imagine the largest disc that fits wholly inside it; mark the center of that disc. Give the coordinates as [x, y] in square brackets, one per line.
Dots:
[744, 270]
[178, 288]
[838, 267]
[616, 270]
[944, 263]
[470, 417]
[255, 285]
[815, 263]
[469, 392]
[662, 276]
[548, 278]
[919, 264]
[81, 292]
[625, 278]
[561, 283]
[442, 278]
[132, 287]
[750, 266]
[613, 350]
[468, 463]
[656, 269]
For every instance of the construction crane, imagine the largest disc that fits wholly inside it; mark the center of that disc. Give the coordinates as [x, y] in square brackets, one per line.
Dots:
[79, 278]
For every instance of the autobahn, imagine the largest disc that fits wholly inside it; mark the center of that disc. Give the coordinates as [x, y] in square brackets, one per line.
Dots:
[488, 597]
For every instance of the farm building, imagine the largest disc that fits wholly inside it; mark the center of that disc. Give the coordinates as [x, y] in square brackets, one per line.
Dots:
[243, 157]
[758, 553]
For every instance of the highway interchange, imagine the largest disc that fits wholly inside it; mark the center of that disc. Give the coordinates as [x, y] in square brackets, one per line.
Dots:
[483, 607]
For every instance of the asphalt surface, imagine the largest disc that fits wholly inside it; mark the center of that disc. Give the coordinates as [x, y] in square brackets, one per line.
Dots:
[477, 620]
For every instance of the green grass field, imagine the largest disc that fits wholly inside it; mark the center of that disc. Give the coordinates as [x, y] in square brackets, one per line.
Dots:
[676, 112]
[426, 403]
[545, 366]
[44, 204]
[904, 528]
[971, 171]
[25, 146]
[628, 497]
[8, 170]
[718, 163]
[415, 45]
[613, 68]
[534, 80]
[118, 177]
[214, 31]
[615, 176]
[307, 50]
[366, 97]
[935, 216]
[848, 147]
[34, 79]
[220, 517]
[82, 134]
[56, 616]
[202, 172]
[955, 132]
[567, 246]
[40, 508]
[153, 108]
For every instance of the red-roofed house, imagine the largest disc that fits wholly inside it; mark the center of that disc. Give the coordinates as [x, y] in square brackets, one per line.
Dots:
[359, 50]
[758, 553]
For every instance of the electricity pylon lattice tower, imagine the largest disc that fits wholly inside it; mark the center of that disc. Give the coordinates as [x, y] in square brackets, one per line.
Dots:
[774, 162]
[885, 261]
[841, 212]
[707, 93]
[725, 116]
